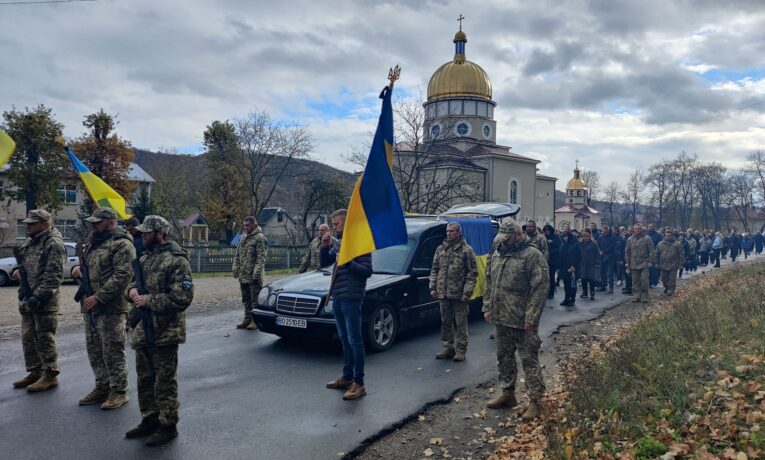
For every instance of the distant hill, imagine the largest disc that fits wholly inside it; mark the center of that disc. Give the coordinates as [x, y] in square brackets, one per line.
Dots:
[194, 169]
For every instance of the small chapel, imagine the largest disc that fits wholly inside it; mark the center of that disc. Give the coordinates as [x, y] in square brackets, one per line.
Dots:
[458, 158]
[576, 211]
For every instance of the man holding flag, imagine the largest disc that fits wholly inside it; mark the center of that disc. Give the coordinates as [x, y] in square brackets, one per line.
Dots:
[374, 220]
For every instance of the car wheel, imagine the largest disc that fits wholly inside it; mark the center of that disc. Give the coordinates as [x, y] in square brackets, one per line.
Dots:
[382, 328]
[5, 280]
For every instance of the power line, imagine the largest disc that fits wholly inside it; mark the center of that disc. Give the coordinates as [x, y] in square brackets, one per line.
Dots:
[38, 2]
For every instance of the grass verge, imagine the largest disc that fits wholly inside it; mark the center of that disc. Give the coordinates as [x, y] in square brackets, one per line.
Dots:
[684, 381]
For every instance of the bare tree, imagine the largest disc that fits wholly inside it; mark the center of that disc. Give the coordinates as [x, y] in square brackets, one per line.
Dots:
[633, 193]
[268, 150]
[711, 186]
[658, 178]
[430, 175]
[756, 168]
[740, 196]
[611, 195]
[592, 179]
[319, 194]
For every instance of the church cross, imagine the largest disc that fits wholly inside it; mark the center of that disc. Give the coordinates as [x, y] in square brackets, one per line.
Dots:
[460, 21]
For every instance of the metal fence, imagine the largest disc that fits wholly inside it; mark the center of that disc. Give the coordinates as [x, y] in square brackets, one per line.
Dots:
[220, 258]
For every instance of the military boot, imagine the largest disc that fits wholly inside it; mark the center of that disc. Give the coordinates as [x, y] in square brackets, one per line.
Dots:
[533, 411]
[47, 381]
[31, 378]
[505, 399]
[459, 356]
[446, 353]
[252, 326]
[116, 400]
[148, 426]
[245, 322]
[96, 396]
[164, 435]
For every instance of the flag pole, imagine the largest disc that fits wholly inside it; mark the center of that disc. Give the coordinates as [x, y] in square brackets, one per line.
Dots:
[393, 75]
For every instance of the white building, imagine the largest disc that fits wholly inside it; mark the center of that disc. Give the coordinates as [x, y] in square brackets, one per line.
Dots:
[576, 212]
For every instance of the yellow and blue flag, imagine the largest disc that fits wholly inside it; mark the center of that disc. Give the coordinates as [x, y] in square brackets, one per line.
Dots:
[99, 191]
[375, 219]
[7, 146]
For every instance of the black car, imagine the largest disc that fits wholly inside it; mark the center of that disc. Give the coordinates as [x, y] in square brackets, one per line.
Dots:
[397, 294]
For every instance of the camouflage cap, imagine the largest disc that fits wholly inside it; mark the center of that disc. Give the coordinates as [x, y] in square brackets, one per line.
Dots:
[37, 215]
[509, 226]
[153, 223]
[102, 214]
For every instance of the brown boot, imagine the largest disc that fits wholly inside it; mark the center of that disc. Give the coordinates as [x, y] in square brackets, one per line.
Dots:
[532, 412]
[245, 322]
[31, 378]
[339, 384]
[252, 326]
[115, 400]
[356, 391]
[459, 356]
[47, 381]
[505, 399]
[96, 396]
[446, 353]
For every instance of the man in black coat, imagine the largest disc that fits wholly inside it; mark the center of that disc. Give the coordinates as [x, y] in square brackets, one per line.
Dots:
[607, 243]
[348, 295]
[553, 254]
[570, 256]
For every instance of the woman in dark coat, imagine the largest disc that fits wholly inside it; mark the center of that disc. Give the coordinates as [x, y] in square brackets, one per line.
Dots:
[553, 251]
[588, 266]
[570, 256]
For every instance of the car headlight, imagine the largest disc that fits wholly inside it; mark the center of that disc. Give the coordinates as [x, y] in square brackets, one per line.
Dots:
[263, 296]
[329, 306]
[272, 300]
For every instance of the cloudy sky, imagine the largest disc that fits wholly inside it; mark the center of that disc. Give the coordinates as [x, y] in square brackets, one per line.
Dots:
[616, 84]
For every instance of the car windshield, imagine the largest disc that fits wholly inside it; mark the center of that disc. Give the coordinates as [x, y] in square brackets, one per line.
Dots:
[390, 260]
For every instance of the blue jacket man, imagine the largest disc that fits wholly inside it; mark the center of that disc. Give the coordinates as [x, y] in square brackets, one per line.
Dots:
[348, 295]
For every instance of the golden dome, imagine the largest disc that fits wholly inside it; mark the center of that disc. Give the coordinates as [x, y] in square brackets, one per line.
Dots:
[576, 182]
[460, 77]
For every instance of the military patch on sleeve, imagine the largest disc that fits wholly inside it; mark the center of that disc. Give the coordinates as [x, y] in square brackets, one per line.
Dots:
[187, 284]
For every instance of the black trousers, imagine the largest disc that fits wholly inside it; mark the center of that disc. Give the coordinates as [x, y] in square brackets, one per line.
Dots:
[588, 283]
[552, 271]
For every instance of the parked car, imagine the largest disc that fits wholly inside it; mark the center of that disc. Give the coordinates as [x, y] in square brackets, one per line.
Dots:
[7, 264]
[397, 295]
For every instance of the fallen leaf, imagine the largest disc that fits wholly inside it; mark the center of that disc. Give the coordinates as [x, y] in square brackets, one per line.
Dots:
[428, 452]
[436, 441]
[421, 418]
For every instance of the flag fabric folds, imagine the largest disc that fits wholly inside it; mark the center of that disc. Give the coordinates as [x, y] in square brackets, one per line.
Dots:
[99, 191]
[375, 219]
[7, 146]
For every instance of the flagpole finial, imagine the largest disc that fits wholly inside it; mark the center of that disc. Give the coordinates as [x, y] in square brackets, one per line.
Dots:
[393, 75]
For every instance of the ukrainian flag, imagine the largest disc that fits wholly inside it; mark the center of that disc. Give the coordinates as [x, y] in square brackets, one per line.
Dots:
[98, 190]
[7, 146]
[375, 219]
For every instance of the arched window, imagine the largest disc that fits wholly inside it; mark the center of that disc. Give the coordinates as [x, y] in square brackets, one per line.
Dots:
[513, 192]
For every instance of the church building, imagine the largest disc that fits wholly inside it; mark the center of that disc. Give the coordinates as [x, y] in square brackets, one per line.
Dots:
[575, 211]
[457, 159]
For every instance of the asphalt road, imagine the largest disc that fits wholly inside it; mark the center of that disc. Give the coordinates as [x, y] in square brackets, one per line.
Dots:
[251, 395]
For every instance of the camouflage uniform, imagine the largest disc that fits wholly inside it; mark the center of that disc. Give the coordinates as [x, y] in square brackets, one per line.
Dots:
[311, 260]
[250, 268]
[638, 256]
[167, 280]
[43, 258]
[452, 275]
[669, 258]
[539, 241]
[108, 260]
[517, 282]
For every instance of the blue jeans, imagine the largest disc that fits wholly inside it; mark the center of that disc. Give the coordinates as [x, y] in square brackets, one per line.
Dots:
[348, 322]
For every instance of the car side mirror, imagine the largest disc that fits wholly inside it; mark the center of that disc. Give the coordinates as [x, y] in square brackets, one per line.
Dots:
[421, 272]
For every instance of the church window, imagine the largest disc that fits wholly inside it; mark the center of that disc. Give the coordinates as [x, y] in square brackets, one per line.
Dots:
[443, 108]
[435, 130]
[578, 193]
[482, 108]
[491, 111]
[469, 107]
[462, 129]
[514, 192]
[455, 107]
[430, 111]
[486, 131]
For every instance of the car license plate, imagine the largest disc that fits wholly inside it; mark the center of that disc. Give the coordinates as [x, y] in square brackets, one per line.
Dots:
[291, 322]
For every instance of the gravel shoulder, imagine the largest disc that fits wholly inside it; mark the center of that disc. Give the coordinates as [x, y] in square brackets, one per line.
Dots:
[211, 295]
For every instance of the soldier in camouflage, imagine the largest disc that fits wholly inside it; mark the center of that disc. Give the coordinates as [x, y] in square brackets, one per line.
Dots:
[250, 268]
[639, 257]
[108, 255]
[669, 258]
[167, 281]
[516, 288]
[42, 257]
[452, 280]
[538, 239]
[311, 260]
